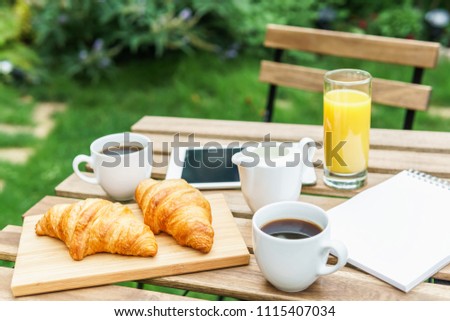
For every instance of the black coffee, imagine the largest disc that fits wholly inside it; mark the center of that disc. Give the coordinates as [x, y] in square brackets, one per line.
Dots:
[120, 150]
[291, 229]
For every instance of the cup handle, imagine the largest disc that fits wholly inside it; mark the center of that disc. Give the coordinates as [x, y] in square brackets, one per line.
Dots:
[310, 146]
[340, 250]
[83, 159]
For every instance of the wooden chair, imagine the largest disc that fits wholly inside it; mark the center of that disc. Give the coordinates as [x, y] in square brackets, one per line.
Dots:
[414, 53]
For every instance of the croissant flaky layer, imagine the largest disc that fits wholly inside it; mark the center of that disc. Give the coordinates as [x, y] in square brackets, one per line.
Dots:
[97, 225]
[175, 207]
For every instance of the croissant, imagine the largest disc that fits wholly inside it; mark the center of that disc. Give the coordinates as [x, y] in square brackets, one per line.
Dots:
[96, 225]
[175, 207]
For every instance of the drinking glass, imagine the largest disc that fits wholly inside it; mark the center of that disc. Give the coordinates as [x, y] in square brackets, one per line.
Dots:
[346, 125]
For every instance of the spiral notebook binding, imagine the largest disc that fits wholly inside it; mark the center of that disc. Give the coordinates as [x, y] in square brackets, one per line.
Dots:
[429, 178]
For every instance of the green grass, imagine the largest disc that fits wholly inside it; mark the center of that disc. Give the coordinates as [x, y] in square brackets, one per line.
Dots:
[439, 79]
[17, 140]
[174, 291]
[6, 263]
[12, 110]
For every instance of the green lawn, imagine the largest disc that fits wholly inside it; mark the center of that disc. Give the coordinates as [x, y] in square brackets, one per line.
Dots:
[12, 110]
[202, 86]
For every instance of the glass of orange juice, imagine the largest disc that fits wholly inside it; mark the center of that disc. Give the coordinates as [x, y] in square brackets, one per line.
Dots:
[346, 126]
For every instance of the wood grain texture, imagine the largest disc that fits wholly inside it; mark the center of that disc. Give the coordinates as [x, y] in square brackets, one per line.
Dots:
[45, 203]
[73, 187]
[350, 45]
[431, 154]
[387, 92]
[12, 228]
[388, 161]
[320, 194]
[162, 130]
[9, 242]
[100, 293]
[392, 162]
[248, 283]
[9, 245]
[44, 265]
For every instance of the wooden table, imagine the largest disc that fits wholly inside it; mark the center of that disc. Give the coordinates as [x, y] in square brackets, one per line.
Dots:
[391, 151]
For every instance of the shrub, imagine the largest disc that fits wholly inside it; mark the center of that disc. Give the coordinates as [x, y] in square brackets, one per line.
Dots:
[86, 35]
[17, 60]
[404, 21]
[245, 21]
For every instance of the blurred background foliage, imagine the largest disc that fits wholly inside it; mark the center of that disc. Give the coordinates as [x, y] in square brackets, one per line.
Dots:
[14, 50]
[87, 37]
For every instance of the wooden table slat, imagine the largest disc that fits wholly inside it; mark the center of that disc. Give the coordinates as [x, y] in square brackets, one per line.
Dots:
[12, 228]
[100, 293]
[255, 131]
[248, 283]
[9, 243]
[74, 187]
[380, 160]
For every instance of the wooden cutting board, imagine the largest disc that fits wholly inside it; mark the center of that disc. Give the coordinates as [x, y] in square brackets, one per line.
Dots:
[43, 263]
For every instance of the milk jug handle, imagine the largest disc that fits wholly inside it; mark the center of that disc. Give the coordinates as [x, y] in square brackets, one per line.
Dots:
[308, 146]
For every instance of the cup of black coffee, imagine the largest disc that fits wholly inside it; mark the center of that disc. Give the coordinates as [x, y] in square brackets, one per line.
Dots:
[120, 161]
[291, 242]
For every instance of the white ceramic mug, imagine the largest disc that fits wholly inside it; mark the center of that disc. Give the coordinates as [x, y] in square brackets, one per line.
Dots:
[117, 174]
[292, 265]
[273, 173]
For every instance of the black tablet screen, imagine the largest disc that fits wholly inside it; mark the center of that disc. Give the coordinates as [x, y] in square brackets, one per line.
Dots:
[210, 165]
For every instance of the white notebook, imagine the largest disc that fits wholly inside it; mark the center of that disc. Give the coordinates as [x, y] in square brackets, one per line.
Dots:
[398, 230]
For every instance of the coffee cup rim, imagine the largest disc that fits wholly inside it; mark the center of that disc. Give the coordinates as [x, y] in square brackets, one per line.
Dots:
[109, 137]
[322, 212]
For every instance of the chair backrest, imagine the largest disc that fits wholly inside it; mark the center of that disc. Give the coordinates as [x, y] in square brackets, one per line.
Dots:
[410, 95]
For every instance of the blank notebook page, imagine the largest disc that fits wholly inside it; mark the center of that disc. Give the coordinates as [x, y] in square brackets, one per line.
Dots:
[399, 230]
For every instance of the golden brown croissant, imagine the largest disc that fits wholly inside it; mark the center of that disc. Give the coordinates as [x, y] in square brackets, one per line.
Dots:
[96, 225]
[177, 208]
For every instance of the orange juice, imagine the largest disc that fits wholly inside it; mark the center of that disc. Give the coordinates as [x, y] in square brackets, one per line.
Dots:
[346, 118]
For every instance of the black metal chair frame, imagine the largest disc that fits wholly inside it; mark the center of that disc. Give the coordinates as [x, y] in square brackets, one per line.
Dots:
[268, 115]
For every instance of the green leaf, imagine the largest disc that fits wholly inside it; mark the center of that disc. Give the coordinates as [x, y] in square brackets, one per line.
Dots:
[20, 55]
[9, 26]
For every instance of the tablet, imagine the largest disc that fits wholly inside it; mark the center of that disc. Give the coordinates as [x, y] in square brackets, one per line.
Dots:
[205, 168]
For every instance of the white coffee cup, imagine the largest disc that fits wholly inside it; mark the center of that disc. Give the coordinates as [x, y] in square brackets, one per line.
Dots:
[272, 172]
[292, 265]
[118, 174]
